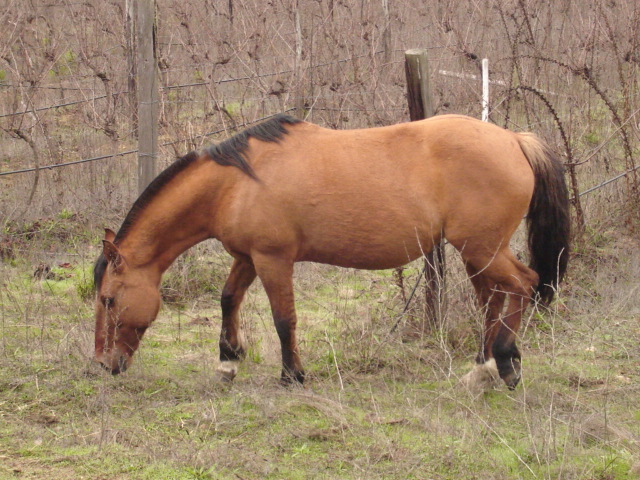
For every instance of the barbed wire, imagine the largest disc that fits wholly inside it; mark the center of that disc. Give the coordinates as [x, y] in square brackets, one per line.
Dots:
[50, 107]
[43, 87]
[66, 164]
[607, 182]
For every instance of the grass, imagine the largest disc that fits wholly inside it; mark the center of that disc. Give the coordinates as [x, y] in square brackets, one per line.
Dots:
[374, 406]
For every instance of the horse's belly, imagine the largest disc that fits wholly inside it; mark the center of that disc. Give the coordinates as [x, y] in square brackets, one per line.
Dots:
[372, 254]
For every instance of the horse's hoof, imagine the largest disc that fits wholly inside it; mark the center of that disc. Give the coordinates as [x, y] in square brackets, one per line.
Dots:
[227, 371]
[512, 381]
[482, 378]
[288, 378]
[512, 378]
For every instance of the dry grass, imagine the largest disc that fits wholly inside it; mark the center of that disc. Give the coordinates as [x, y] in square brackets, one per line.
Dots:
[374, 406]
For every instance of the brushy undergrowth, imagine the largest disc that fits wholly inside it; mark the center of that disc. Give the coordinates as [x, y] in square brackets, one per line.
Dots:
[375, 406]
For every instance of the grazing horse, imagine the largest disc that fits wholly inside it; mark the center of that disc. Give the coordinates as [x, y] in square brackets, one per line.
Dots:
[286, 191]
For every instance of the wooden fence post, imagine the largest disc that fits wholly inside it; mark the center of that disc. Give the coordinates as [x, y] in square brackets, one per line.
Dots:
[130, 43]
[386, 33]
[147, 93]
[418, 85]
[420, 107]
[298, 70]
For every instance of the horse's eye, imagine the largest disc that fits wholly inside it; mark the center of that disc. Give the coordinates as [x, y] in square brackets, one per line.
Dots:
[107, 302]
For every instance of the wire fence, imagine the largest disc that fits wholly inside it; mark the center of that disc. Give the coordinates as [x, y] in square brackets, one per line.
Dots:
[71, 103]
[457, 75]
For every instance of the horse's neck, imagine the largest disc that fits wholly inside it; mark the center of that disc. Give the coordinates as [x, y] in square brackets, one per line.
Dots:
[177, 218]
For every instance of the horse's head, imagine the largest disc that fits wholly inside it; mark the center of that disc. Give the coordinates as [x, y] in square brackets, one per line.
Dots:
[127, 301]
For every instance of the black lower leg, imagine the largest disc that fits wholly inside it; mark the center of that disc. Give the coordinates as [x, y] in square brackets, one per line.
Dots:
[230, 348]
[292, 371]
[229, 352]
[508, 361]
[288, 377]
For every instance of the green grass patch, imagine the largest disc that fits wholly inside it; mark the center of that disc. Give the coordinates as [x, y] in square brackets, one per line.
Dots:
[375, 406]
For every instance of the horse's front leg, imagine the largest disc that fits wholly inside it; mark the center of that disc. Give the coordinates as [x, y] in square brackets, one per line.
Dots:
[276, 275]
[232, 346]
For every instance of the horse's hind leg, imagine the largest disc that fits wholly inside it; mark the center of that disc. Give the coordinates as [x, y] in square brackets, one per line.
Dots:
[521, 288]
[232, 350]
[506, 276]
[276, 275]
[491, 302]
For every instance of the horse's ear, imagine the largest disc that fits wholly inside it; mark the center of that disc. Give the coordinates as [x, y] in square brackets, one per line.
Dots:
[109, 234]
[112, 254]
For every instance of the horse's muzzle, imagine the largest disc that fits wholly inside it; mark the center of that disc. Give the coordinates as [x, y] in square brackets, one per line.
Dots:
[115, 367]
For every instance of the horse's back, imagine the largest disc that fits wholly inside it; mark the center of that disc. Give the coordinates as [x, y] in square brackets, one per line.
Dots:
[380, 197]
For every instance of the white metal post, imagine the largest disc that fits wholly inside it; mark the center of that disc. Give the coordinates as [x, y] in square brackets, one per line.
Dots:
[485, 89]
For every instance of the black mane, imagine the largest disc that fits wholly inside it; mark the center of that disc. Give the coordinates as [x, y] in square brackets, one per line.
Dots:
[143, 200]
[232, 152]
[152, 190]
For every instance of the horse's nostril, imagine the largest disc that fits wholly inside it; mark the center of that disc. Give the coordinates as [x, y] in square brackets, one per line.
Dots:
[115, 370]
[122, 365]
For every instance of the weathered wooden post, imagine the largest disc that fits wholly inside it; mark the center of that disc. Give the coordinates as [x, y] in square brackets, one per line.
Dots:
[147, 93]
[420, 107]
[298, 70]
[386, 33]
[130, 44]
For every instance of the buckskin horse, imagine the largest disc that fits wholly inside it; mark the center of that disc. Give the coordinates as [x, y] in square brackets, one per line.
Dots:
[287, 191]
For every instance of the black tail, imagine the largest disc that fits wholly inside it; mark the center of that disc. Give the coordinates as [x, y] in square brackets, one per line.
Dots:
[548, 220]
